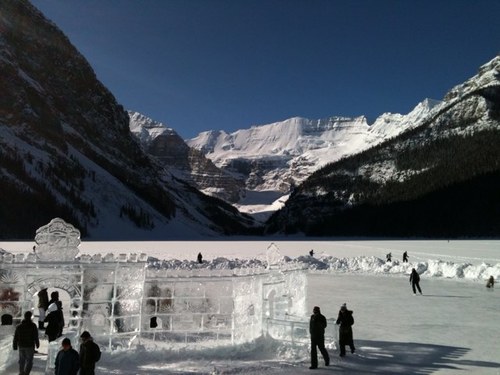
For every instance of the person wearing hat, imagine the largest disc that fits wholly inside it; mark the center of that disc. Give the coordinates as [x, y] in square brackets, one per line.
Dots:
[317, 326]
[89, 354]
[345, 320]
[67, 360]
[26, 339]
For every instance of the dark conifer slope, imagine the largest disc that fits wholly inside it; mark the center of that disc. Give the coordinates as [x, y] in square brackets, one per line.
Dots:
[441, 179]
[66, 149]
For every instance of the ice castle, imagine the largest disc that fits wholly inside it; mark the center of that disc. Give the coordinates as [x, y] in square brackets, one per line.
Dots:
[124, 302]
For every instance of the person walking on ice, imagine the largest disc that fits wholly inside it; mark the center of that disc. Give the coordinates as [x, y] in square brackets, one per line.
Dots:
[25, 340]
[317, 326]
[345, 320]
[415, 281]
[405, 257]
[388, 257]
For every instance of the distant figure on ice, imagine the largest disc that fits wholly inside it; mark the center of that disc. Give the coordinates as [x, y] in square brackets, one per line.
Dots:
[43, 305]
[346, 321]
[311, 253]
[388, 257]
[405, 257]
[415, 281]
[200, 258]
[89, 354]
[26, 339]
[317, 326]
[491, 282]
[54, 320]
[67, 360]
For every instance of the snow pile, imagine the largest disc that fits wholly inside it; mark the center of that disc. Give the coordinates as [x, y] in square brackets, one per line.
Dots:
[359, 264]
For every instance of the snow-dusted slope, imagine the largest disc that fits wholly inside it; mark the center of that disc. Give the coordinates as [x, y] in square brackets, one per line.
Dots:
[66, 149]
[278, 156]
[414, 183]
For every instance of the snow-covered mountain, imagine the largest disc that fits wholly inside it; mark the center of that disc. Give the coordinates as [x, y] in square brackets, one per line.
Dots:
[183, 161]
[441, 178]
[274, 158]
[66, 149]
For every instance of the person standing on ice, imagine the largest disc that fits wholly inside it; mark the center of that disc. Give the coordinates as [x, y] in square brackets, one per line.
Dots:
[311, 253]
[345, 320]
[317, 326]
[200, 258]
[54, 320]
[415, 281]
[43, 305]
[89, 354]
[405, 257]
[67, 360]
[388, 257]
[26, 339]
[491, 282]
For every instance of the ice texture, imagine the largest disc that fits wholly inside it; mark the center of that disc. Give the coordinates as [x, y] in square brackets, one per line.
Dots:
[57, 241]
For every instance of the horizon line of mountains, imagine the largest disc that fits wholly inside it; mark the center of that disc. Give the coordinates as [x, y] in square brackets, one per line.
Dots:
[69, 150]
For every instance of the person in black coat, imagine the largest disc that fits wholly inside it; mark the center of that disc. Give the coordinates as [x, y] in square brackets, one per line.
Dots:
[345, 320]
[43, 305]
[405, 257]
[53, 320]
[90, 353]
[26, 339]
[415, 281]
[317, 326]
[67, 360]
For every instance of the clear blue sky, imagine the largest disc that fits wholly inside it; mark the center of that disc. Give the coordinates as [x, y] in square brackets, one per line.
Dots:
[201, 65]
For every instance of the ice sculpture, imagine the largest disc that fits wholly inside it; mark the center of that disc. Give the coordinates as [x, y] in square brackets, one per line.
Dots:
[124, 301]
[57, 241]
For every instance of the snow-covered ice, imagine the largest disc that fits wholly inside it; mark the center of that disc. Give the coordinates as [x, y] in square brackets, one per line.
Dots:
[453, 328]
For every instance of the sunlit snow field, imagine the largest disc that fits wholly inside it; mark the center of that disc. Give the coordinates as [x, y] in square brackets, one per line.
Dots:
[454, 328]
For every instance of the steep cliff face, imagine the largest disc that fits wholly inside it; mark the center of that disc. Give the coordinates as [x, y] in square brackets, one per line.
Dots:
[439, 179]
[281, 155]
[66, 149]
[185, 162]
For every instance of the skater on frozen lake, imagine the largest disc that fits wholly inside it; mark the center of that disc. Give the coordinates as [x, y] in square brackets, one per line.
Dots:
[25, 340]
[388, 257]
[415, 281]
[345, 320]
[405, 257]
[317, 326]
[491, 282]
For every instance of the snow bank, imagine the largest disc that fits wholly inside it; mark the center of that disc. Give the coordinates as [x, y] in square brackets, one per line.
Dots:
[360, 264]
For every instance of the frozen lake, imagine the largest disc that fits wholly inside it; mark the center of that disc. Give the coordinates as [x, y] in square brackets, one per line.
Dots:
[473, 251]
[453, 328]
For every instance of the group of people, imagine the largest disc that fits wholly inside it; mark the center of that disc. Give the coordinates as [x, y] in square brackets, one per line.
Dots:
[68, 361]
[50, 312]
[388, 257]
[317, 325]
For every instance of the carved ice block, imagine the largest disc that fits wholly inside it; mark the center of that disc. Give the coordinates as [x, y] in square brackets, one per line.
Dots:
[57, 241]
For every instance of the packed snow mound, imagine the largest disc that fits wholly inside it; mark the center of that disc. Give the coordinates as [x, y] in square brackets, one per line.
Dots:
[361, 264]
